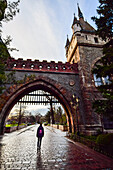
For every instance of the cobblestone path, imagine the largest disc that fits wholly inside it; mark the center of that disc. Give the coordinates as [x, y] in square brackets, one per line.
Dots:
[18, 151]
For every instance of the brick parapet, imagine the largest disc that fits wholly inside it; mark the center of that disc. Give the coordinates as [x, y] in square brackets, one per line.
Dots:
[36, 65]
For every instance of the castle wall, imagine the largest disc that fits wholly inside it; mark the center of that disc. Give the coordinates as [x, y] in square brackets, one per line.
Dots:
[86, 52]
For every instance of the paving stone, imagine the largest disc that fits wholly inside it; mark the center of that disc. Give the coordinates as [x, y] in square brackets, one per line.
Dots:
[56, 166]
[19, 151]
[51, 161]
[59, 160]
[16, 168]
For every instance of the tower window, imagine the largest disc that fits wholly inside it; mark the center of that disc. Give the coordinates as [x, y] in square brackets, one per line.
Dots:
[96, 39]
[86, 37]
[101, 80]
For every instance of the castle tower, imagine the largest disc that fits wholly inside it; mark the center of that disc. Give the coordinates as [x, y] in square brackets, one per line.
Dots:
[85, 48]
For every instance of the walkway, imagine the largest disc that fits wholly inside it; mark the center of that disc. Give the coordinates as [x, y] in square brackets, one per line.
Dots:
[18, 151]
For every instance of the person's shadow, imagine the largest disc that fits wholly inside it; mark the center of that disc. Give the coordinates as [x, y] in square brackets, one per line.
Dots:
[39, 163]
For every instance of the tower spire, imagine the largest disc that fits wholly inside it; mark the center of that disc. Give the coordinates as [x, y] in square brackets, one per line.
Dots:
[74, 20]
[67, 42]
[80, 14]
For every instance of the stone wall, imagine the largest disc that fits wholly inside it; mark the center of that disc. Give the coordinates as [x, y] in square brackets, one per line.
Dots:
[61, 127]
[88, 55]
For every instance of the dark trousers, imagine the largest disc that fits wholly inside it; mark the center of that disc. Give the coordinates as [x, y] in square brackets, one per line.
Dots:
[39, 142]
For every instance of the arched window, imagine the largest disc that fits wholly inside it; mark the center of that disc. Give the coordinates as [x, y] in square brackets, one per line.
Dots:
[101, 80]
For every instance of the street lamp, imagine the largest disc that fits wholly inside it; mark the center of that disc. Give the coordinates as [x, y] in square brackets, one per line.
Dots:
[75, 103]
[52, 112]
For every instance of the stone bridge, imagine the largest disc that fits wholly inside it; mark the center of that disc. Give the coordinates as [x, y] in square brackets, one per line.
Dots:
[59, 79]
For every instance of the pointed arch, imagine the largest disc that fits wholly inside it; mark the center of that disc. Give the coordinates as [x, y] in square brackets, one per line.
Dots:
[15, 92]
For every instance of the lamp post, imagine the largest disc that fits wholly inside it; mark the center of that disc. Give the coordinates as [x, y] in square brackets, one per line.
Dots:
[52, 112]
[75, 103]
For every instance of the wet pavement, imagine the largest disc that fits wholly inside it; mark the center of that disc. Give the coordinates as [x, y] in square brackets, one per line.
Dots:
[18, 151]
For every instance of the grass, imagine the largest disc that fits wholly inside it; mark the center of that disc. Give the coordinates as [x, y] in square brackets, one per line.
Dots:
[12, 125]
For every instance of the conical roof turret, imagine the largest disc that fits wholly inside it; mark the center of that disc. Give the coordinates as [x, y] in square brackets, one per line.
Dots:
[80, 14]
[80, 24]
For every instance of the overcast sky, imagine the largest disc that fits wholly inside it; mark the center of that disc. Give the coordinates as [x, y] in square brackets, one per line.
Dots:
[40, 30]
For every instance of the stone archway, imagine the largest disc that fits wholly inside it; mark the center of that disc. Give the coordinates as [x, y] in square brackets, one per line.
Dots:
[15, 92]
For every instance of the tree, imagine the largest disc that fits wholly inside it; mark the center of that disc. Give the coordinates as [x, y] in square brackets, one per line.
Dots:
[105, 20]
[20, 113]
[60, 117]
[3, 6]
[60, 113]
[3, 57]
[3, 49]
[47, 116]
[32, 119]
[38, 117]
[104, 67]
[7, 13]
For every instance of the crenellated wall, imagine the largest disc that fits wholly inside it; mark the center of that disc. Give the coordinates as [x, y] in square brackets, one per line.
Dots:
[36, 65]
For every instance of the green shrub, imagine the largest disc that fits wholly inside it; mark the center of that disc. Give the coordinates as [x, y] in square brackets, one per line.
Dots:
[72, 135]
[13, 122]
[92, 138]
[105, 139]
[11, 125]
[99, 132]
